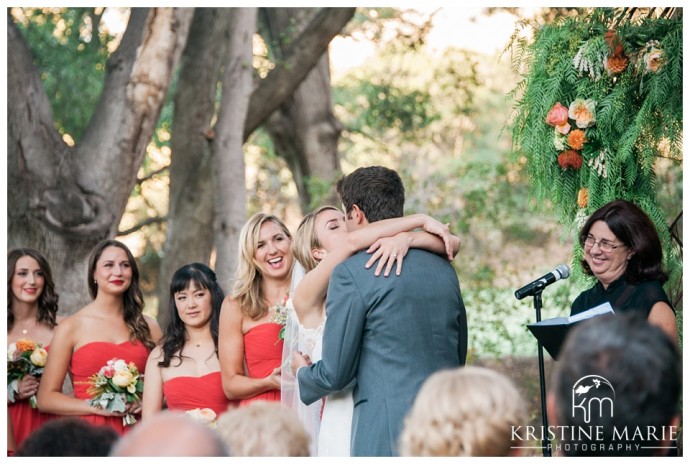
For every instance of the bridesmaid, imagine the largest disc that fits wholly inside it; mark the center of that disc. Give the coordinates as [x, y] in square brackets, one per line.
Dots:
[111, 326]
[185, 369]
[32, 306]
[247, 335]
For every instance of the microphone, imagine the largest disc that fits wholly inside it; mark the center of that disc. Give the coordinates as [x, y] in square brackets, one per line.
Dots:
[561, 272]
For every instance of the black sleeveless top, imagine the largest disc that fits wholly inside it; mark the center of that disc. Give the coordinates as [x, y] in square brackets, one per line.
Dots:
[624, 297]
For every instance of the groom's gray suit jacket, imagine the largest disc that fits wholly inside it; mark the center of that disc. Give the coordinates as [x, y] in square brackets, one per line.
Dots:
[390, 334]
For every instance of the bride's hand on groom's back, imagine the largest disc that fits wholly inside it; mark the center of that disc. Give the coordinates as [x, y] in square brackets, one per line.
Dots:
[389, 251]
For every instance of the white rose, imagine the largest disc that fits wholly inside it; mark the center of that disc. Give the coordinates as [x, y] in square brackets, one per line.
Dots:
[10, 351]
[39, 357]
[120, 365]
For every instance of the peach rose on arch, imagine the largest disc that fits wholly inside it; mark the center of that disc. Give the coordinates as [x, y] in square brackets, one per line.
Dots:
[582, 111]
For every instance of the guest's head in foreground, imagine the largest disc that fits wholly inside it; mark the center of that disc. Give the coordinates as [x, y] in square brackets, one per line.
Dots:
[170, 433]
[263, 428]
[621, 377]
[68, 436]
[467, 411]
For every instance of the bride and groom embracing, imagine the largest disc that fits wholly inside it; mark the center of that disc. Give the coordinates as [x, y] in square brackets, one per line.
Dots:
[378, 337]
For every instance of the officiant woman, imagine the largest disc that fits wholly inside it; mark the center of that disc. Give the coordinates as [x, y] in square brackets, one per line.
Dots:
[623, 251]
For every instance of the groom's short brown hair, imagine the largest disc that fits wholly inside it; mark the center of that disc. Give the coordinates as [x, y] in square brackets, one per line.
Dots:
[378, 191]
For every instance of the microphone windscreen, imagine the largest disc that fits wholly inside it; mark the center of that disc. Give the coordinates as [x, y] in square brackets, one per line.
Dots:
[563, 270]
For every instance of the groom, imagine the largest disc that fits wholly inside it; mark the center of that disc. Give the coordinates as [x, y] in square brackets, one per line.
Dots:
[388, 333]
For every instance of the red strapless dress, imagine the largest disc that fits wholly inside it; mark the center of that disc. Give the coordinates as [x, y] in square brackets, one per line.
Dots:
[263, 352]
[26, 419]
[89, 359]
[187, 393]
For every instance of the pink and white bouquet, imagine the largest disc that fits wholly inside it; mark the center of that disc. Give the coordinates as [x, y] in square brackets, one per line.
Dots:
[24, 357]
[114, 386]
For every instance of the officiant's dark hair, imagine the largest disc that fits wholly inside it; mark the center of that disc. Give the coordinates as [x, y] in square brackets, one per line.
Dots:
[643, 367]
[174, 336]
[378, 191]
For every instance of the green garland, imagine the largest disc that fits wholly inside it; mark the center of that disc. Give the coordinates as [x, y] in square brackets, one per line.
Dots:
[596, 104]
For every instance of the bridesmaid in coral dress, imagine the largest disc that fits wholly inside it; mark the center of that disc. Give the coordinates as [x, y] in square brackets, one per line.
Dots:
[111, 326]
[32, 306]
[184, 369]
[250, 346]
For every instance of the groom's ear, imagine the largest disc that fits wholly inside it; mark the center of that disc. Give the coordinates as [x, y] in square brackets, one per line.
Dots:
[357, 215]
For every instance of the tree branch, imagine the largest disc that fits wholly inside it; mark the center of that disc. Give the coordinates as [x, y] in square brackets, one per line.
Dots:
[142, 224]
[303, 55]
[152, 174]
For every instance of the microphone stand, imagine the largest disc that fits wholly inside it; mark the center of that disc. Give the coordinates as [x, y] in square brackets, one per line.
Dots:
[545, 444]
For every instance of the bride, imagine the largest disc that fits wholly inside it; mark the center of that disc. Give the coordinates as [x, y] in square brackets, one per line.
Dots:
[320, 244]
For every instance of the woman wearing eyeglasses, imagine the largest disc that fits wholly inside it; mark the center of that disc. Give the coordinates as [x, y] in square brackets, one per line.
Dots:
[623, 251]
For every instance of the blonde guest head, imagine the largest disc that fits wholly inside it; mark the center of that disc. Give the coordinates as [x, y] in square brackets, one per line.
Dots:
[263, 428]
[466, 411]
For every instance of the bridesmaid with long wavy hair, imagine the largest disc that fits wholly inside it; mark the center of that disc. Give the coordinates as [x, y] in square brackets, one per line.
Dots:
[32, 306]
[111, 326]
[250, 347]
[184, 370]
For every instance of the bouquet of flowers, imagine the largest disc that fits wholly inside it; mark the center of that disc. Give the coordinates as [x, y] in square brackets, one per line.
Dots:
[280, 315]
[25, 357]
[116, 384]
[206, 416]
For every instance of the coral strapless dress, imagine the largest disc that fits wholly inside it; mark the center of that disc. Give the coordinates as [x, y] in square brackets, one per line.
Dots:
[26, 419]
[187, 393]
[89, 359]
[263, 350]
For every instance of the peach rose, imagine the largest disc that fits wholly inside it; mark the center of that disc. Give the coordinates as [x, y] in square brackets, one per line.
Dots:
[582, 111]
[653, 60]
[557, 116]
[203, 415]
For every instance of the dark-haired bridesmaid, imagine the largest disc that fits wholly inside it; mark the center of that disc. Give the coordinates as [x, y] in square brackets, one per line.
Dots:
[111, 326]
[32, 305]
[184, 371]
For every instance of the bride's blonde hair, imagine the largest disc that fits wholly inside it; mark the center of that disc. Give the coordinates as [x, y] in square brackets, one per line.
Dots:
[306, 239]
[247, 287]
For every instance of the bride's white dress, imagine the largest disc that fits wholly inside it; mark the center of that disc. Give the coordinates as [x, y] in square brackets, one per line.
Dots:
[328, 424]
[336, 420]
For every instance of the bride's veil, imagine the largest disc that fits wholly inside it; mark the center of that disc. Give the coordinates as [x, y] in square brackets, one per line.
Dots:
[289, 387]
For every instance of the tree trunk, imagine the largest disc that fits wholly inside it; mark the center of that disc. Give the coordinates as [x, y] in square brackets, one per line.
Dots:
[228, 156]
[189, 233]
[304, 130]
[65, 200]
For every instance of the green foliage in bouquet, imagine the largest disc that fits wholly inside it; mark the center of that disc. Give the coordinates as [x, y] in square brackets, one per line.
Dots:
[598, 103]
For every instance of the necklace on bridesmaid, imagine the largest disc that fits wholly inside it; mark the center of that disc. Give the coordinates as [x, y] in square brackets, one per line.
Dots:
[25, 330]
